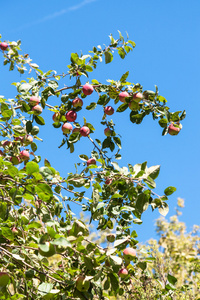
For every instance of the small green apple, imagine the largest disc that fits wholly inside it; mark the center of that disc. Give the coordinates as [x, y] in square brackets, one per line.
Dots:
[82, 285]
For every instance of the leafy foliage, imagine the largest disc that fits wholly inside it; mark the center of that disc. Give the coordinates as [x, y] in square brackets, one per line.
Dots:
[36, 219]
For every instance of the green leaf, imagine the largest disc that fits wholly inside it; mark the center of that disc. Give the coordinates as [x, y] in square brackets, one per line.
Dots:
[12, 171]
[164, 209]
[83, 157]
[161, 99]
[45, 288]
[124, 76]
[91, 106]
[32, 167]
[122, 107]
[19, 130]
[44, 191]
[7, 233]
[108, 57]
[46, 172]
[117, 141]
[4, 279]
[39, 120]
[170, 190]
[142, 202]
[153, 171]
[114, 281]
[28, 126]
[142, 265]
[103, 100]
[24, 88]
[171, 279]
[120, 242]
[61, 241]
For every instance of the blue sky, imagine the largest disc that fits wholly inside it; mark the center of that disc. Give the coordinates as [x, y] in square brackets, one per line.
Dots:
[166, 54]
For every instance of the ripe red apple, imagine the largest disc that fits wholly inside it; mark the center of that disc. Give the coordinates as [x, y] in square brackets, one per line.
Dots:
[1, 153]
[66, 128]
[37, 109]
[82, 285]
[34, 101]
[123, 273]
[3, 46]
[85, 131]
[109, 110]
[108, 181]
[24, 155]
[91, 161]
[123, 95]
[71, 116]
[174, 130]
[56, 117]
[107, 131]
[27, 139]
[110, 237]
[137, 97]
[14, 230]
[77, 102]
[87, 89]
[129, 253]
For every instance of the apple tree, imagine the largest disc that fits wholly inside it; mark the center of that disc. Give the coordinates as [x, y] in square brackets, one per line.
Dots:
[36, 215]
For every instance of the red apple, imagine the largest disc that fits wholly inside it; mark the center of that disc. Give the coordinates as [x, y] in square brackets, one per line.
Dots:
[91, 161]
[24, 155]
[27, 140]
[129, 253]
[109, 110]
[107, 131]
[77, 102]
[37, 109]
[34, 101]
[137, 97]
[123, 95]
[82, 285]
[56, 117]
[123, 273]
[71, 116]
[174, 130]
[3, 46]
[85, 131]
[14, 230]
[66, 128]
[108, 181]
[87, 89]
[1, 153]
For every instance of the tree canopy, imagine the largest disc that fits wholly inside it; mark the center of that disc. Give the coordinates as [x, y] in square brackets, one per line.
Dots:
[37, 221]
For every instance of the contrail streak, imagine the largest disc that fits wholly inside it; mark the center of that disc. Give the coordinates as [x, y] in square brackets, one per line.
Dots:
[55, 15]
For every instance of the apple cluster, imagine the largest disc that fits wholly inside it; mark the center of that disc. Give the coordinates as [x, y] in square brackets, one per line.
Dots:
[71, 115]
[12, 150]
